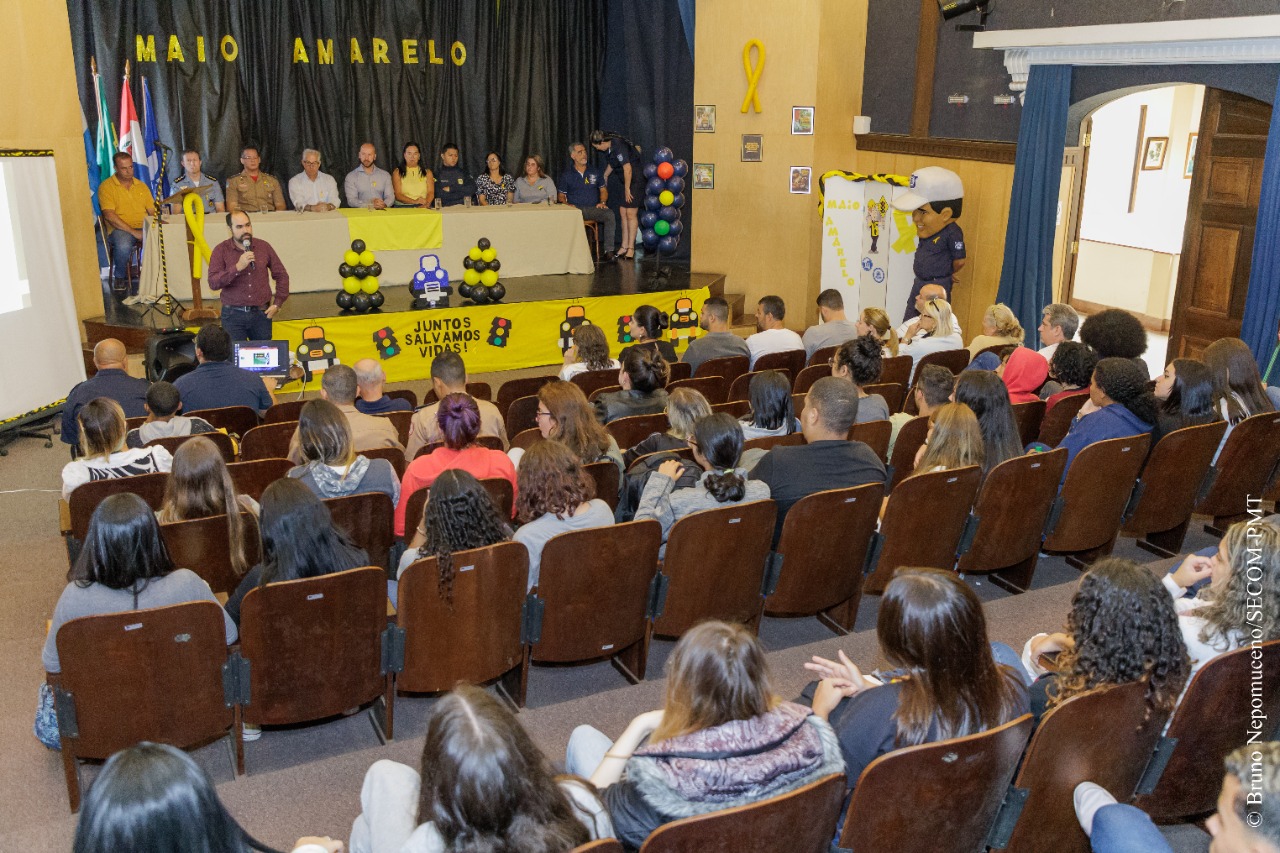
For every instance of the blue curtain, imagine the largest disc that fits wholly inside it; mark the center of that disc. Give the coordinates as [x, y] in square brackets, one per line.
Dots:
[1262, 305]
[1026, 279]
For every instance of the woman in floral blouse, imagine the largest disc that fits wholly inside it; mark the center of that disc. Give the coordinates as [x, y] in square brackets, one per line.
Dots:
[495, 186]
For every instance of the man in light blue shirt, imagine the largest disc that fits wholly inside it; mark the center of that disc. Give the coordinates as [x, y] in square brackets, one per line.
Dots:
[367, 185]
[192, 177]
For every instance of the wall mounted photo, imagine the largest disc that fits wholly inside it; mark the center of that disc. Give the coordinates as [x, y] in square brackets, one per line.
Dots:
[704, 118]
[800, 179]
[802, 121]
[1190, 163]
[1153, 153]
[704, 176]
[752, 148]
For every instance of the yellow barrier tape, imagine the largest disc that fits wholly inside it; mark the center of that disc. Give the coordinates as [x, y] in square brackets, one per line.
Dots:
[753, 74]
[856, 177]
[193, 207]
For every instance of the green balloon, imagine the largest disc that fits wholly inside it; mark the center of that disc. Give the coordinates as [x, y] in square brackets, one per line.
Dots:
[661, 227]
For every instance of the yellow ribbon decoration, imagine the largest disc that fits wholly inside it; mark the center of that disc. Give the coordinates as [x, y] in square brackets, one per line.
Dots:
[193, 207]
[753, 74]
[906, 226]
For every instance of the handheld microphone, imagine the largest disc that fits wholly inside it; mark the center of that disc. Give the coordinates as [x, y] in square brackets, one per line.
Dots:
[248, 243]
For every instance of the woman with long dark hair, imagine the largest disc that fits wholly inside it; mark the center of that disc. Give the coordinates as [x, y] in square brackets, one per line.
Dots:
[643, 378]
[772, 409]
[494, 185]
[556, 496]
[564, 415]
[330, 465]
[1238, 392]
[1184, 394]
[1120, 405]
[647, 324]
[411, 179]
[484, 786]
[199, 486]
[986, 394]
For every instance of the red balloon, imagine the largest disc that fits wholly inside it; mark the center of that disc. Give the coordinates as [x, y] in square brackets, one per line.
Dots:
[665, 170]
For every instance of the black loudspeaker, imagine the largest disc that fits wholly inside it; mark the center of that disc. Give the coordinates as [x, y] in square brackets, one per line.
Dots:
[170, 354]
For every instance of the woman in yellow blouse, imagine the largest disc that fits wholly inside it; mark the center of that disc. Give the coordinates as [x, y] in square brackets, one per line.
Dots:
[414, 185]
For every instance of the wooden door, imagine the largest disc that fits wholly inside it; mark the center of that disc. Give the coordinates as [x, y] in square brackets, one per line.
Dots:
[1217, 245]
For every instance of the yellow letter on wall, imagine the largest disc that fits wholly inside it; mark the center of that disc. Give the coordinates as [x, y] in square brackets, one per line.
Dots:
[356, 55]
[175, 50]
[431, 53]
[230, 50]
[324, 51]
[146, 49]
[199, 48]
[459, 53]
[380, 52]
[300, 52]
[409, 47]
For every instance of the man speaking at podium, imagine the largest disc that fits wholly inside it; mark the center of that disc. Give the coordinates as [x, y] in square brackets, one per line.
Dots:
[238, 271]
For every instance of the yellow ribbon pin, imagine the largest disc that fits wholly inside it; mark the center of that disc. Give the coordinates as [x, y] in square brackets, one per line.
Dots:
[753, 74]
[193, 207]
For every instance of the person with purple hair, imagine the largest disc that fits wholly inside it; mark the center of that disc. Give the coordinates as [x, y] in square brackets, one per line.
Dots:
[459, 420]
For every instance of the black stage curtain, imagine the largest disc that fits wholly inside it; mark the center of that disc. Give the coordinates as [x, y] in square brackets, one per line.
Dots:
[518, 76]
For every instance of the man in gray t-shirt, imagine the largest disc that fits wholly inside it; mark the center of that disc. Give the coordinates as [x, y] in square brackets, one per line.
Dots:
[835, 329]
[719, 342]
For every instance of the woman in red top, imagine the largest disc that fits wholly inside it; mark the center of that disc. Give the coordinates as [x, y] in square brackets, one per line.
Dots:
[459, 420]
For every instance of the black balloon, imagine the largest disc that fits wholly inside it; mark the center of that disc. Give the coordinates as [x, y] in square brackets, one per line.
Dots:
[357, 245]
[375, 268]
[376, 299]
[483, 243]
[466, 263]
[479, 266]
[361, 302]
[344, 270]
[464, 290]
[495, 264]
[497, 291]
[345, 300]
[359, 271]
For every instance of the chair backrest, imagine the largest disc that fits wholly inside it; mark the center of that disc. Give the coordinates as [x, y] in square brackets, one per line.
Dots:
[805, 818]
[903, 460]
[406, 394]
[394, 455]
[1056, 422]
[808, 376]
[367, 519]
[499, 489]
[1171, 482]
[476, 634]
[86, 496]
[514, 389]
[954, 360]
[730, 367]
[1028, 416]
[1099, 483]
[492, 442]
[741, 387]
[252, 478]
[924, 523]
[600, 845]
[768, 442]
[994, 349]
[288, 410]
[677, 370]
[269, 441]
[203, 546]
[963, 781]
[685, 453]
[734, 408]
[134, 423]
[608, 480]
[401, 420]
[604, 389]
[595, 604]
[896, 369]
[1245, 466]
[874, 434]
[220, 440]
[715, 564]
[522, 414]
[630, 431]
[894, 394]
[1098, 737]
[792, 361]
[479, 390]
[526, 438]
[234, 419]
[1010, 513]
[714, 388]
[823, 549]
[314, 646]
[590, 380]
[822, 356]
[1210, 722]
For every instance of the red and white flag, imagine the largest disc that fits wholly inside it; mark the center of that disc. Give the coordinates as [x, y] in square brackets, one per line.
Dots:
[131, 139]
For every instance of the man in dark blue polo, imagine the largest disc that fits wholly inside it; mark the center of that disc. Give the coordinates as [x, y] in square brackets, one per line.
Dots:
[110, 381]
[216, 382]
[934, 201]
[583, 187]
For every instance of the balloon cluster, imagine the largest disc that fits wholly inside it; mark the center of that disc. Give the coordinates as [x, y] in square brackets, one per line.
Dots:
[480, 279]
[359, 270]
[660, 226]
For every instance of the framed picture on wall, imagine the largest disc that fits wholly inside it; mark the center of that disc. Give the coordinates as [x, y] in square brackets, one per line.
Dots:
[1190, 163]
[704, 118]
[752, 148]
[802, 121]
[704, 176]
[1153, 153]
[800, 179]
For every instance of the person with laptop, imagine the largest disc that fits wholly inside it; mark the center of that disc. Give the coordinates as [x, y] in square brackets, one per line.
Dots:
[216, 382]
[238, 271]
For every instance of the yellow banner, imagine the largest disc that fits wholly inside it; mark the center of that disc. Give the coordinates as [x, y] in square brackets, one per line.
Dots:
[394, 229]
[488, 337]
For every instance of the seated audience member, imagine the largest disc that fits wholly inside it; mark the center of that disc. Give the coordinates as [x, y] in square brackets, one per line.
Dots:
[1119, 406]
[1238, 392]
[313, 191]
[330, 465]
[449, 376]
[102, 435]
[684, 408]
[199, 486]
[1069, 373]
[828, 460]
[875, 322]
[111, 381]
[368, 432]
[534, 187]
[556, 496]
[722, 739]
[945, 684]
[717, 446]
[1058, 323]
[859, 361]
[933, 331]
[934, 387]
[411, 180]
[565, 416]
[217, 383]
[1023, 372]
[772, 409]
[643, 378]
[771, 335]
[1184, 395]
[590, 351]
[494, 185]
[458, 419]
[834, 329]
[647, 325]
[1122, 628]
[719, 340]
[954, 440]
[299, 540]
[984, 393]
[453, 185]
[126, 202]
[1115, 333]
[483, 785]
[923, 296]
[163, 421]
[583, 186]
[999, 328]
[371, 399]
[153, 796]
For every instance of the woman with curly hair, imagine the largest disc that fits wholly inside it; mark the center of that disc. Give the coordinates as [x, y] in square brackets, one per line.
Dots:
[590, 351]
[556, 496]
[859, 361]
[874, 321]
[684, 407]
[1115, 333]
[986, 394]
[1119, 406]
[1184, 395]
[999, 327]
[564, 415]
[1070, 370]
[199, 486]
[1122, 628]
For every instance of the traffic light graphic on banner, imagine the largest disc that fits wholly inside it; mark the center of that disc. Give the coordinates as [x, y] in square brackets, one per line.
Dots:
[624, 330]
[574, 316]
[385, 340]
[499, 332]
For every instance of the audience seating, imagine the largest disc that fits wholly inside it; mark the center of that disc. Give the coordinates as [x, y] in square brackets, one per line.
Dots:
[236, 420]
[316, 647]
[797, 403]
[741, 387]
[685, 453]
[492, 442]
[514, 389]
[202, 545]
[1245, 467]
[910, 799]
[874, 434]
[607, 479]
[1102, 737]
[994, 349]
[220, 440]
[677, 370]
[133, 423]
[479, 390]
[1092, 502]
[715, 567]
[607, 389]
[368, 519]
[601, 845]
[1008, 519]
[406, 394]
[822, 356]
[802, 821]
[1212, 719]
[630, 431]
[499, 489]
[924, 524]
[252, 478]
[1175, 475]
[735, 408]
[590, 380]
[1057, 421]
[808, 376]
[289, 410]
[526, 438]
[714, 388]
[269, 441]
[903, 461]
[394, 455]
[152, 675]
[478, 635]
[896, 369]
[402, 421]
[894, 394]
[791, 361]
[730, 367]
[86, 497]
[820, 574]
[590, 603]
[954, 360]
[768, 442]
[1028, 416]
[522, 414]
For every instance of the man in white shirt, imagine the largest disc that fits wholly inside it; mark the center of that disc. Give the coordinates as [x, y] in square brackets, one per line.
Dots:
[834, 329]
[773, 336]
[929, 291]
[367, 185]
[1058, 323]
[311, 189]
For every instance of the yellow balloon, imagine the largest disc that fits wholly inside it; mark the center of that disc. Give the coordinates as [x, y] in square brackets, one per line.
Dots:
[474, 254]
[471, 277]
[488, 278]
[666, 197]
[351, 257]
[488, 254]
[366, 257]
[351, 284]
[369, 284]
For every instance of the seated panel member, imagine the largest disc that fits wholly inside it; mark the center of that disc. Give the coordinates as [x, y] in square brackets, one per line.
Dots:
[583, 187]
[193, 176]
[252, 190]
[535, 187]
[367, 185]
[453, 185]
[412, 181]
[125, 203]
[311, 190]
